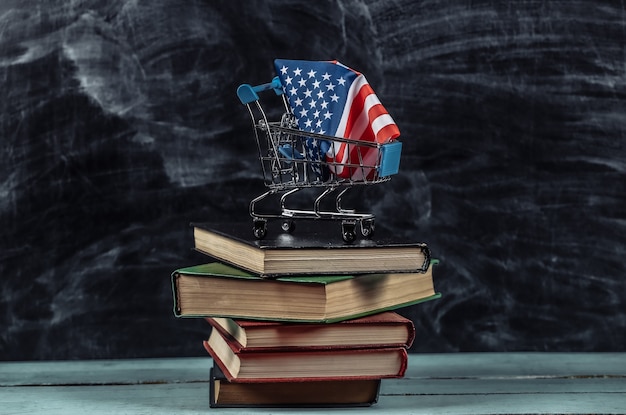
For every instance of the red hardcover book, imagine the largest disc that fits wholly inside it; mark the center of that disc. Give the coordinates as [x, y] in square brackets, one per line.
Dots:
[305, 364]
[387, 329]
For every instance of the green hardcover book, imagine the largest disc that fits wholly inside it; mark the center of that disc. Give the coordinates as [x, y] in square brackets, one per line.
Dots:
[217, 289]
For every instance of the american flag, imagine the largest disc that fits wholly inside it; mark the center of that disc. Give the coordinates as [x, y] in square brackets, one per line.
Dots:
[329, 98]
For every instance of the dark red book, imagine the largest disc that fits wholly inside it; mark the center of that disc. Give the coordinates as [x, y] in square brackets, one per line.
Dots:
[305, 364]
[387, 329]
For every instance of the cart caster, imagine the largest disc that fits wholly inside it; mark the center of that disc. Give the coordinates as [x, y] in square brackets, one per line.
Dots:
[367, 228]
[347, 232]
[288, 226]
[260, 229]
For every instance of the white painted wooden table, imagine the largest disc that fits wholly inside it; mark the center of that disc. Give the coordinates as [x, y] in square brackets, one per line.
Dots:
[480, 383]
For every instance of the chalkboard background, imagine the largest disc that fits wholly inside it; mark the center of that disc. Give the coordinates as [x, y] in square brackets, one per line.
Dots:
[120, 126]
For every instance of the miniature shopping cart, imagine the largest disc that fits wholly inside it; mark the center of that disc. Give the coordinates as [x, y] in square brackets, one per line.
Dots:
[287, 168]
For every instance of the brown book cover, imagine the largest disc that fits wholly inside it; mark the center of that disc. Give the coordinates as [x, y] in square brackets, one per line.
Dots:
[310, 251]
[325, 393]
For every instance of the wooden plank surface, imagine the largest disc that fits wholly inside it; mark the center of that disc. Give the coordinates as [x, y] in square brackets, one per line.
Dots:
[94, 372]
[487, 383]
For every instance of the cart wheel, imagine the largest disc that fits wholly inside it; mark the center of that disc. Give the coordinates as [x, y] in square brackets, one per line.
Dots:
[367, 228]
[347, 232]
[288, 226]
[260, 229]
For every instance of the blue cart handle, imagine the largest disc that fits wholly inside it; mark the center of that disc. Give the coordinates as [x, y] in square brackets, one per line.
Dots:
[248, 93]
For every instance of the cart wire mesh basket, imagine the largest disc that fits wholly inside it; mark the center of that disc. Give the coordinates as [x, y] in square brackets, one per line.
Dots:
[293, 159]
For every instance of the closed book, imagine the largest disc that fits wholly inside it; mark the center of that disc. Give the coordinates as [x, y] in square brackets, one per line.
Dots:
[387, 329]
[324, 393]
[219, 290]
[305, 365]
[311, 250]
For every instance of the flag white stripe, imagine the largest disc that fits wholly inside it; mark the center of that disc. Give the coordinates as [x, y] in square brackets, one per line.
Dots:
[352, 92]
[381, 122]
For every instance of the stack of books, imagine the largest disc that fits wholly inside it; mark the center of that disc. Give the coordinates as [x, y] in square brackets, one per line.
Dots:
[301, 319]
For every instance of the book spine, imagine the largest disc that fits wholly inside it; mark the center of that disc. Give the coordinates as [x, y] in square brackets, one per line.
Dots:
[427, 257]
[405, 363]
[175, 293]
[218, 362]
[410, 327]
[231, 340]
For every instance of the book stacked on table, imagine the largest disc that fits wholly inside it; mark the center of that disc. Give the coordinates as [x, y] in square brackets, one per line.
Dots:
[300, 319]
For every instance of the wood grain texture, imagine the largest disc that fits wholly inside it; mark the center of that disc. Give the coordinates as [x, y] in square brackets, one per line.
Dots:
[480, 383]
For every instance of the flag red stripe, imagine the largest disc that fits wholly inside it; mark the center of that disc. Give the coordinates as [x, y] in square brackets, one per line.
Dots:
[376, 111]
[356, 108]
[388, 131]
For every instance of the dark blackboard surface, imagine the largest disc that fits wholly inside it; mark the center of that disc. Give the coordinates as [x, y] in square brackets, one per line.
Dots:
[120, 126]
